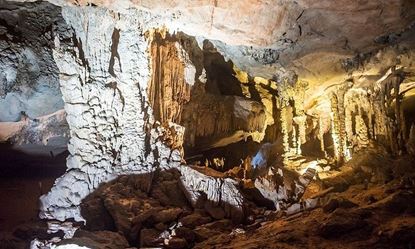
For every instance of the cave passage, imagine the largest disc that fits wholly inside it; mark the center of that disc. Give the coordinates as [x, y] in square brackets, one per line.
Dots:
[207, 125]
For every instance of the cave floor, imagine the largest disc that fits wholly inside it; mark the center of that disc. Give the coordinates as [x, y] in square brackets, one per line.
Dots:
[378, 216]
[371, 205]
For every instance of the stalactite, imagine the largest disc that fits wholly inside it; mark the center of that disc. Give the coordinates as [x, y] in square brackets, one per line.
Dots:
[168, 90]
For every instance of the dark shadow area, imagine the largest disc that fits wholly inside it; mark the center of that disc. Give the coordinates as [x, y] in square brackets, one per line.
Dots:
[231, 154]
[23, 179]
[17, 163]
[220, 74]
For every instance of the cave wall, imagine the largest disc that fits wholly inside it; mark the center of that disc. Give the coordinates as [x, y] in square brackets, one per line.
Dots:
[31, 104]
[195, 88]
[29, 79]
[103, 78]
[371, 107]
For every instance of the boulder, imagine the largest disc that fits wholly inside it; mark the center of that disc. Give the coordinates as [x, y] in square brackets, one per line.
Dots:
[167, 215]
[195, 219]
[222, 192]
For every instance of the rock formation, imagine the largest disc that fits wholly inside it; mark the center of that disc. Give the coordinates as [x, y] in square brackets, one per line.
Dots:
[283, 99]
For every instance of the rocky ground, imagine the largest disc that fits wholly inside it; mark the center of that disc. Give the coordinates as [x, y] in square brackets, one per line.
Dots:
[367, 203]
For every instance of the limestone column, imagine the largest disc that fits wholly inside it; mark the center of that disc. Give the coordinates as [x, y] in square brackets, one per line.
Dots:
[103, 80]
[300, 121]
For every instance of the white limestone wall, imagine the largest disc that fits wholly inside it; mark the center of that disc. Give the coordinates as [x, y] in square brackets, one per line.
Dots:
[106, 104]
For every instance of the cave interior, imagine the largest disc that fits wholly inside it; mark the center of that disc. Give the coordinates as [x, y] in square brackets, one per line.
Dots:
[207, 124]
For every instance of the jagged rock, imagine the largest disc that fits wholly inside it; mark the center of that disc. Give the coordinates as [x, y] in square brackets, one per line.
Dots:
[97, 216]
[106, 105]
[50, 130]
[397, 233]
[221, 192]
[216, 212]
[212, 229]
[29, 231]
[270, 191]
[398, 203]
[127, 205]
[283, 189]
[167, 193]
[98, 239]
[410, 145]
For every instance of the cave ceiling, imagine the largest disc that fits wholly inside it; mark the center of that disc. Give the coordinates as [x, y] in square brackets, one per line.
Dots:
[310, 37]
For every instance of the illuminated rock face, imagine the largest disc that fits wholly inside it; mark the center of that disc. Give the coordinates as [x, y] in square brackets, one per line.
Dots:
[371, 108]
[134, 98]
[103, 78]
